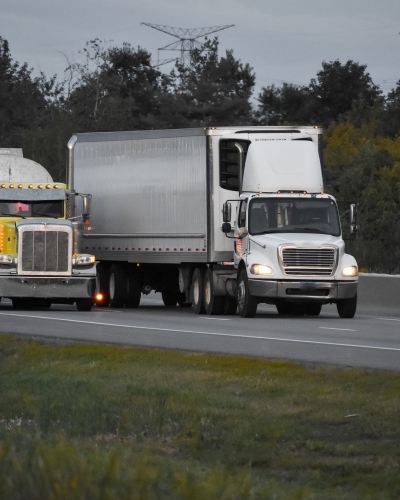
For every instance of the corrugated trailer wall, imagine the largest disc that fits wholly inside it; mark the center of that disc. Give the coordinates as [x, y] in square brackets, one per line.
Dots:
[149, 195]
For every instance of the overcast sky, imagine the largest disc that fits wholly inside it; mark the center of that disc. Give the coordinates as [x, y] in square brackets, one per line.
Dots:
[283, 40]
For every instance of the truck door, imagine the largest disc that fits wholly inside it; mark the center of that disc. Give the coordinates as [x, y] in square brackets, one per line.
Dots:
[241, 235]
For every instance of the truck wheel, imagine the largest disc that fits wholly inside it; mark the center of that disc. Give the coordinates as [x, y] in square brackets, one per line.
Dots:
[230, 306]
[117, 285]
[212, 303]
[102, 282]
[84, 304]
[197, 290]
[246, 303]
[347, 307]
[313, 309]
[170, 298]
[135, 283]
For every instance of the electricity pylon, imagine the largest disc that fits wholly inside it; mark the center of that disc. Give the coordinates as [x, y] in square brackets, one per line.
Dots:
[187, 39]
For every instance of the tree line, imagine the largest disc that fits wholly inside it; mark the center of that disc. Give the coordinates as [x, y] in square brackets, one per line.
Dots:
[119, 88]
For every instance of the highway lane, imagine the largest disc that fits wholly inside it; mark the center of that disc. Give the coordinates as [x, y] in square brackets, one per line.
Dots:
[366, 341]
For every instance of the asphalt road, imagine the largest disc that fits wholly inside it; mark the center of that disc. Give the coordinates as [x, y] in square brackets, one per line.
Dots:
[366, 341]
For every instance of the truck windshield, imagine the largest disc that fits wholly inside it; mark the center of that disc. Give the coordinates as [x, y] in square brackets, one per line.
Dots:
[288, 215]
[22, 208]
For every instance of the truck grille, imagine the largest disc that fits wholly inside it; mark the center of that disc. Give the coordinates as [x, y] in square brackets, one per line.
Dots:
[308, 261]
[44, 251]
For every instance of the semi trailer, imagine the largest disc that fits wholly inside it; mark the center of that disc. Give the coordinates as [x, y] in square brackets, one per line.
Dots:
[41, 258]
[163, 203]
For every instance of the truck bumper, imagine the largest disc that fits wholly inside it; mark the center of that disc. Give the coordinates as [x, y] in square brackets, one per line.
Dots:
[48, 287]
[324, 291]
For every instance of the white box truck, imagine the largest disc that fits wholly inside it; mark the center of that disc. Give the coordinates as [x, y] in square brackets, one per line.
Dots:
[161, 217]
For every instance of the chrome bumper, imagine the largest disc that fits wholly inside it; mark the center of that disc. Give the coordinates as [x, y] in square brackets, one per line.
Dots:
[68, 287]
[323, 291]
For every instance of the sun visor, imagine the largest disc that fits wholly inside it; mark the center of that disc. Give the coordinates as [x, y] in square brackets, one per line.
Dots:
[273, 166]
[32, 194]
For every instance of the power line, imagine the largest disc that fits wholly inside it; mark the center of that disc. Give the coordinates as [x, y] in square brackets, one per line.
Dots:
[187, 40]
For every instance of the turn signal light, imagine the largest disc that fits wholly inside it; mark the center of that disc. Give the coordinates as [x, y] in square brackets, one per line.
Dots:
[99, 297]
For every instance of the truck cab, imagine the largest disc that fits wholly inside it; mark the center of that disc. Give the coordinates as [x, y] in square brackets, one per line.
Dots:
[40, 259]
[288, 245]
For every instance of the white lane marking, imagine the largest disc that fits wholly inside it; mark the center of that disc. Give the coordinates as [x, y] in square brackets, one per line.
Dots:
[389, 319]
[341, 329]
[94, 323]
[215, 319]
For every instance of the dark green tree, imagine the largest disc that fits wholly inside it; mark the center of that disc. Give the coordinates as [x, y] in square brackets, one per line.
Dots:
[286, 104]
[336, 88]
[22, 103]
[214, 91]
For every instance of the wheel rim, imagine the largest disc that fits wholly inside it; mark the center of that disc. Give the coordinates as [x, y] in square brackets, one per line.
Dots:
[207, 292]
[196, 292]
[241, 294]
[112, 285]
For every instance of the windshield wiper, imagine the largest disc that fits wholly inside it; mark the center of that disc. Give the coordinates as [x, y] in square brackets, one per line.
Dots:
[14, 215]
[311, 229]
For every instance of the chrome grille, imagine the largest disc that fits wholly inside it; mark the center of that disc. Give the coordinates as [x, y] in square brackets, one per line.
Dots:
[308, 261]
[44, 250]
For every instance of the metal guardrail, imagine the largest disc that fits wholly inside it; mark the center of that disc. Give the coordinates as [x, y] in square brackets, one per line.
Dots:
[379, 294]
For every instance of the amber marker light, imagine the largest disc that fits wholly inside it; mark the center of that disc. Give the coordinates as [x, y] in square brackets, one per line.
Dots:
[278, 192]
[291, 192]
[40, 186]
[321, 192]
[260, 192]
[3, 186]
[11, 186]
[30, 186]
[99, 297]
[304, 192]
[55, 186]
[87, 222]
[48, 186]
[19, 186]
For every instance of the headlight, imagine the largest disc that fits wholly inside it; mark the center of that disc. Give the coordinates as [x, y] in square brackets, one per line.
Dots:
[260, 269]
[84, 260]
[5, 258]
[349, 271]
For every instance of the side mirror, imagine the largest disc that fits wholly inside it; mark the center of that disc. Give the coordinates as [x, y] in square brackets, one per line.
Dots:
[86, 206]
[353, 219]
[226, 227]
[242, 232]
[226, 212]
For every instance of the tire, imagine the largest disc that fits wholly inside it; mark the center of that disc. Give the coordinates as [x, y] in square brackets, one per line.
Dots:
[212, 303]
[84, 304]
[313, 309]
[135, 283]
[118, 286]
[347, 307]
[197, 290]
[102, 282]
[170, 298]
[230, 306]
[247, 304]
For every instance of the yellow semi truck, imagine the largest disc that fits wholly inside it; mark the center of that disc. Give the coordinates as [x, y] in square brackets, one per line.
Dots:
[41, 258]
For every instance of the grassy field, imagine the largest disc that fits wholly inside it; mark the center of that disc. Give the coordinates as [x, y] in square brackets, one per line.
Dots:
[105, 422]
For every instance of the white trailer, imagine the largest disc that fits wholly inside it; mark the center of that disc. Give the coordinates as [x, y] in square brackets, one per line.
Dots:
[161, 219]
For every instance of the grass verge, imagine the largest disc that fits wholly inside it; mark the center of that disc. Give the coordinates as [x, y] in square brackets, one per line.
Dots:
[97, 421]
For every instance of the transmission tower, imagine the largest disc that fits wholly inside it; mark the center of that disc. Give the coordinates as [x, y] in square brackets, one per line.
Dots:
[187, 39]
